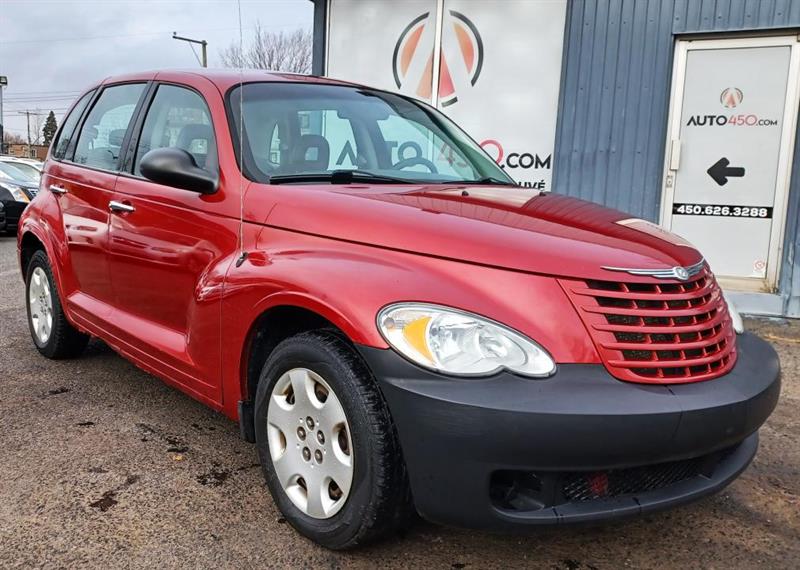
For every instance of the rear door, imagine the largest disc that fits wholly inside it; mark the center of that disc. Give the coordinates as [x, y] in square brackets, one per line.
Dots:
[166, 245]
[82, 176]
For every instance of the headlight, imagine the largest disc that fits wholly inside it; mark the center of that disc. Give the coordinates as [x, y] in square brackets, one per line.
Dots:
[16, 191]
[459, 343]
[736, 318]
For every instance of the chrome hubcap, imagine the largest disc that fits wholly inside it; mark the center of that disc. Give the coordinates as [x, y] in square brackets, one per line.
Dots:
[309, 443]
[40, 300]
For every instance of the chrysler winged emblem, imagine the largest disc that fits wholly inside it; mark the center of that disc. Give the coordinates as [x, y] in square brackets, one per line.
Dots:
[679, 273]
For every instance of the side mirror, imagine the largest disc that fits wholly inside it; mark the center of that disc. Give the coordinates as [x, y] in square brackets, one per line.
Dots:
[177, 168]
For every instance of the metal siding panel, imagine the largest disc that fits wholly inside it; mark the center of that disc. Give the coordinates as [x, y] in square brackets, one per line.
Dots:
[613, 119]
[723, 12]
[691, 16]
[787, 12]
[789, 285]
[741, 10]
[621, 104]
[634, 20]
[660, 78]
[591, 116]
[638, 193]
[602, 192]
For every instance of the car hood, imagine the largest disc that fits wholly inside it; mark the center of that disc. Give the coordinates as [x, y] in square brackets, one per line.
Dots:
[499, 226]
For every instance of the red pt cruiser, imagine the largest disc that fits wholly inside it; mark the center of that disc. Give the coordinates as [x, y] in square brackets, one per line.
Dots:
[391, 320]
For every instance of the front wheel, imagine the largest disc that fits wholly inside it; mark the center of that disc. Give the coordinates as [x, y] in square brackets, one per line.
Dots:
[52, 334]
[327, 444]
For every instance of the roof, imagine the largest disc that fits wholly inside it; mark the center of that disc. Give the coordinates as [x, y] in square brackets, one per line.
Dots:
[224, 79]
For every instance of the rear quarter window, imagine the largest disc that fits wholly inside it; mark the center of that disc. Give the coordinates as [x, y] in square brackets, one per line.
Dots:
[102, 134]
[67, 131]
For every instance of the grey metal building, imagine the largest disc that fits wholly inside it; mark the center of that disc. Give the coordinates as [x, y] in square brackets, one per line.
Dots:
[681, 112]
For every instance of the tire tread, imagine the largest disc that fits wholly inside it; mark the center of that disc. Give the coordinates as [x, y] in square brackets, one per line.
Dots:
[391, 508]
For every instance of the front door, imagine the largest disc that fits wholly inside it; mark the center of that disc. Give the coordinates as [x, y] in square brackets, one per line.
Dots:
[733, 119]
[164, 246]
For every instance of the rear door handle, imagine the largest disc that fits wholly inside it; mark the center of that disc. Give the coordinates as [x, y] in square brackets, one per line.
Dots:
[56, 189]
[115, 206]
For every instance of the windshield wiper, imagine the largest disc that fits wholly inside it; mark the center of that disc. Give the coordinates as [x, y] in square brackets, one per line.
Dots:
[351, 176]
[337, 177]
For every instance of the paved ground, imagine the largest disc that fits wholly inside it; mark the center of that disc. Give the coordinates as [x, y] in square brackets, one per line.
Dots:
[103, 465]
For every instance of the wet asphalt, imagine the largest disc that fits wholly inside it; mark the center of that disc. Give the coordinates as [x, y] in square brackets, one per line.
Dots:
[102, 465]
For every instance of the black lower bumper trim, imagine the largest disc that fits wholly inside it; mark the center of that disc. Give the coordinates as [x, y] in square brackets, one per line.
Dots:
[724, 467]
[457, 433]
[10, 215]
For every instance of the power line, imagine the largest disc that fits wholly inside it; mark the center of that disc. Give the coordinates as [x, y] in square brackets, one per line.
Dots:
[36, 99]
[48, 109]
[49, 91]
[140, 34]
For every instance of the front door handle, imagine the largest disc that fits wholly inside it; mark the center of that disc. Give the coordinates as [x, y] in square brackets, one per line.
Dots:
[115, 206]
[57, 189]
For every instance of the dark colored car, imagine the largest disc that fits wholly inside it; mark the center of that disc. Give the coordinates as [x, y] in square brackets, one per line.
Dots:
[393, 322]
[16, 190]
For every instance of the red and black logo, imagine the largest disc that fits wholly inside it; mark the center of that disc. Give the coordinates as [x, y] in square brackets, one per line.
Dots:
[731, 97]
[412, 64]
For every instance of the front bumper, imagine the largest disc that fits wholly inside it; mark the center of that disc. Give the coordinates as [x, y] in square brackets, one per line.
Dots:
[470, 444]
[10, 213]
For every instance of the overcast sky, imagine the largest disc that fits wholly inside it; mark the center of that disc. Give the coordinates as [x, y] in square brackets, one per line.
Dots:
[50, 50]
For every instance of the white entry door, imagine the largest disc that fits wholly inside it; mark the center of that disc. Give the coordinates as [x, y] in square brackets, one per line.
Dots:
[729, 151]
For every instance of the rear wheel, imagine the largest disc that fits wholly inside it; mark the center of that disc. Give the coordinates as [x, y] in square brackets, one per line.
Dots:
[52, 334]
[327, 444]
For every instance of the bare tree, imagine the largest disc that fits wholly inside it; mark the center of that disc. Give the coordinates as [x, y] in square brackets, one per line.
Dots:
[12, 138]
[37, 122]
[275, 51]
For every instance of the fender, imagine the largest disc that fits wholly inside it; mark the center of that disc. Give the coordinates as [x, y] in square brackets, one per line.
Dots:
[348, 284]
[305, 300]
[28, 226]
[36, 220]
[233, 392]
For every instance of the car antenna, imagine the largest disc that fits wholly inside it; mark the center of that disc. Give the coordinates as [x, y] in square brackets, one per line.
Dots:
[242, 252]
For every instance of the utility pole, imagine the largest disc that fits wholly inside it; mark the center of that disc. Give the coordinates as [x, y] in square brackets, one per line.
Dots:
[203, 47]
[28, 113]
[3, 83]
[28, 117]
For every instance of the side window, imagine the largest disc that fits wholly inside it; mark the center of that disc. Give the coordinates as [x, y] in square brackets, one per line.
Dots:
[178, 118]
[100, 140]
[68, 127]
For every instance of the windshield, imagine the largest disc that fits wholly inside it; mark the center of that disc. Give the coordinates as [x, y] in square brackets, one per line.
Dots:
[28, 170]
[11, 172]
[314, 131]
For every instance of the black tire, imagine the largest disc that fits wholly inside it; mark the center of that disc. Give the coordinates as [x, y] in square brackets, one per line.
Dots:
[65, 341]
[379, 502]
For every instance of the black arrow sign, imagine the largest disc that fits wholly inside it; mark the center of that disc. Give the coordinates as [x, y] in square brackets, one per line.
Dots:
[720, 171]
